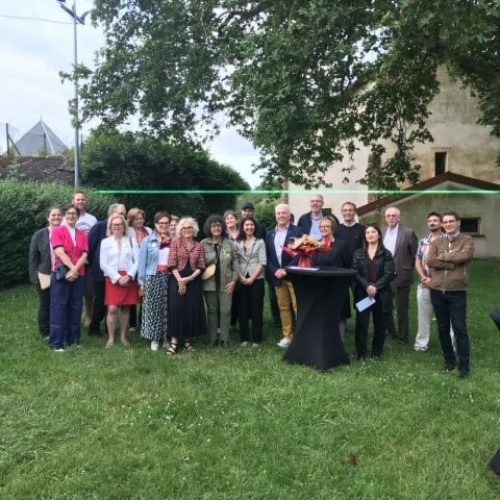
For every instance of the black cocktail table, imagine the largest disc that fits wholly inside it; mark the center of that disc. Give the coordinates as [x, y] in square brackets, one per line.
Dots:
[320, 295]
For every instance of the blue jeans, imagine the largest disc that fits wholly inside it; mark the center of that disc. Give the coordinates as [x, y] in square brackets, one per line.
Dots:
[452, 307]
[66, 300]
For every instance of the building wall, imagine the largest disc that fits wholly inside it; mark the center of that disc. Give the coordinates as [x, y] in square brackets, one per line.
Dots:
[414, 210]
[472, 151]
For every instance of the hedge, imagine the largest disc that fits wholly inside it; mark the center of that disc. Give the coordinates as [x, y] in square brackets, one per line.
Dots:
[23, 210]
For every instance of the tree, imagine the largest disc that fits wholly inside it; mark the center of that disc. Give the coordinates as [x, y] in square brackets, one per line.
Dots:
[301, 79]
[128, 161]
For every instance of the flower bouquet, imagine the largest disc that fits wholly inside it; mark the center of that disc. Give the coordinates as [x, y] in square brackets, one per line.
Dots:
[305, 247]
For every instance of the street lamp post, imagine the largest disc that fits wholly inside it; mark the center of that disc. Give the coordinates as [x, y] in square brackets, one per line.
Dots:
[76, 20]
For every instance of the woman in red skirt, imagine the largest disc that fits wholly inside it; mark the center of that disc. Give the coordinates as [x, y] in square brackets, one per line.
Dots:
[118, 259]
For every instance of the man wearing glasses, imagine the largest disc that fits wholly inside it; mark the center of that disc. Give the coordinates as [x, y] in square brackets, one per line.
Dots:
[309, 222]
[449, 259]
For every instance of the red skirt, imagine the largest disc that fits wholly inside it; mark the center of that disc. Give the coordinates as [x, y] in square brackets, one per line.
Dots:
[117, 295]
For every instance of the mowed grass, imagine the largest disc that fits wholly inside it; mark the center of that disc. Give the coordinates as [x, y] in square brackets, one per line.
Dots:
[241, 423]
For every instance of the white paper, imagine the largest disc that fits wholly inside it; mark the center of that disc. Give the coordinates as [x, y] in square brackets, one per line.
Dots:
[303, 268]
[365, 303]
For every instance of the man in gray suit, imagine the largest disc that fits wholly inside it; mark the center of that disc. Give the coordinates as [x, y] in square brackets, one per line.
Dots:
[402, 242]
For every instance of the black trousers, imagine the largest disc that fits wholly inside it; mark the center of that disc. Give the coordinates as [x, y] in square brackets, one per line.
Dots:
[251, 307]
[43, 311]
[402, 302]
[362, 324]
[452, 307]
[99, 309]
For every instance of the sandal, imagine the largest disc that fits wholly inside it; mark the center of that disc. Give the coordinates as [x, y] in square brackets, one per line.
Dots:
[188, 346]
[172, 348]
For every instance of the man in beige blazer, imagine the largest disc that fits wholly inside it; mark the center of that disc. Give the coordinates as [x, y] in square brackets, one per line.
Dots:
[402, 242]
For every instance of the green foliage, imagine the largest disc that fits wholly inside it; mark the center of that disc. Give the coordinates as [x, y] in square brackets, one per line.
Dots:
[239, 423]
[137, 161]
[300, 79]
[23, 210]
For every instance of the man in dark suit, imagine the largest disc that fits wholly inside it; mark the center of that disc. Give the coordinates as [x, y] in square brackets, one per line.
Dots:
[402, 242]
[309, 222]
[96, 235]
[277, 260]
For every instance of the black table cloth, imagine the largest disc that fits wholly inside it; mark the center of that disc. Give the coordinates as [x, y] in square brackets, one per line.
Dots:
[320, 295]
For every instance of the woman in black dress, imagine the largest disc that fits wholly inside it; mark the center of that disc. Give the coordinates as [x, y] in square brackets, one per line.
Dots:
[337, 256]
[375, 267]
[186, 261]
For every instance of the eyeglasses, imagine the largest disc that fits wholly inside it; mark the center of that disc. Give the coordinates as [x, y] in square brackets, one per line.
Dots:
[325, 227]
[116, 225]
[216, 225]
[73, 214]
[163, 223]
[188, 227]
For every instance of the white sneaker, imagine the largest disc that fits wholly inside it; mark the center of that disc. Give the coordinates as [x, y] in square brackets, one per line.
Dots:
[58, 350]
[255, 345]
[244, 344]
[155, 345]
[284, 342]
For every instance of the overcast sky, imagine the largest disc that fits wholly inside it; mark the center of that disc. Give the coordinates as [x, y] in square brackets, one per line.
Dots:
[33, 52]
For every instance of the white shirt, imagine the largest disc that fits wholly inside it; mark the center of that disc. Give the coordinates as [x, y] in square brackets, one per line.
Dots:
[114, 259]
[391, 235]
[279, 241]
[163, 256]
[85, 222]
[314, 231]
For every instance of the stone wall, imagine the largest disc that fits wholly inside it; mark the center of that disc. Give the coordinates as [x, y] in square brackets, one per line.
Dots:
[37, 168]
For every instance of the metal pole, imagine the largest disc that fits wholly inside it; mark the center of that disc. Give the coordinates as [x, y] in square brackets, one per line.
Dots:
[77, 116]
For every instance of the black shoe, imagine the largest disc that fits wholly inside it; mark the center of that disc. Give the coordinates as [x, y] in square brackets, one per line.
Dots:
[223, 343]
[361, 358]
[449, 367]
[463, 373]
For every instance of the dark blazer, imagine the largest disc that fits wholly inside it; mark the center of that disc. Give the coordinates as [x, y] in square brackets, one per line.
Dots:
[39, 256]
[385, 274]
[272, 259]
[338, 256]
[305, 222]
[404, 256]
[96, 235]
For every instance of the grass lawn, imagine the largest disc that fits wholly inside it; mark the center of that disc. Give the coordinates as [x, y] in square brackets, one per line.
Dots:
[241, 423]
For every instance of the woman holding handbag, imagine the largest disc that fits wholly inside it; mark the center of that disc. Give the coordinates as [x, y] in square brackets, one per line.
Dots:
[40, 264]
[219, 279]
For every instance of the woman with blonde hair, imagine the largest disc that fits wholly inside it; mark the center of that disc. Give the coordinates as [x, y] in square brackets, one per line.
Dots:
[186, 261]
[118, 261]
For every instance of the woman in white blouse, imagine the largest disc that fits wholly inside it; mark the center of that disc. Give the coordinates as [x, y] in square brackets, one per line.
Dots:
[118, 260]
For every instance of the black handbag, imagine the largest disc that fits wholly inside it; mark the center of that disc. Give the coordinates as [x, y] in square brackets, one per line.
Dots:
[60, 272]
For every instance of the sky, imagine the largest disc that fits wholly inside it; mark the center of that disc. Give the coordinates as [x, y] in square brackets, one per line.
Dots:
[36, 43]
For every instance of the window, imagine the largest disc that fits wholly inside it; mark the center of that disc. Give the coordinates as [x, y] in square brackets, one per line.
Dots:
[440, 161]
[470, 225]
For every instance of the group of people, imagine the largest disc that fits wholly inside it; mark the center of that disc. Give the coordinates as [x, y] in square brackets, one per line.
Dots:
[187, 286]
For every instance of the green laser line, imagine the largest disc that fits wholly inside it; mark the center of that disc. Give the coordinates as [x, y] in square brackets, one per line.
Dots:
[396, 192]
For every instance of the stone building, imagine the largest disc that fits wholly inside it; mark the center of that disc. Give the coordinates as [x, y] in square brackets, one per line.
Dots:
[461, 147]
